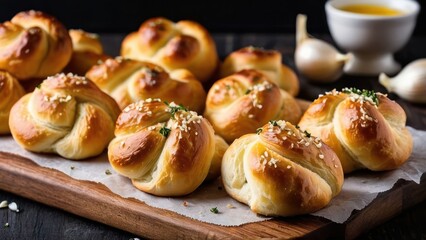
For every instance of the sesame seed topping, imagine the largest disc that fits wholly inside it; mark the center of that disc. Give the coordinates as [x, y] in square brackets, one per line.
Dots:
[57, 97]
[321, 156]
[288, 166]
[255, 90]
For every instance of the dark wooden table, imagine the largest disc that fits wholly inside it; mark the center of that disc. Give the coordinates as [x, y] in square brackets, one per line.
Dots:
[39, 221]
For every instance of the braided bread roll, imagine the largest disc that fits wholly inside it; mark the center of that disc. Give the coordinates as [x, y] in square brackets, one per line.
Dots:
[165, 149]
[10, 91]
[365, 129]
[87, 52]
[185, 44]
[246, 100]
[128, 81]
[34, 45]
[281, 171]
[68, 115]
[268, 62]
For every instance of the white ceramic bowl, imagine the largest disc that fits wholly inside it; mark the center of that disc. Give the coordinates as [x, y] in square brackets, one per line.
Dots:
[372, 39]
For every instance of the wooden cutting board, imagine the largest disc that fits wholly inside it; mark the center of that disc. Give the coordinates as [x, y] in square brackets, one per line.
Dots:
[94, 201]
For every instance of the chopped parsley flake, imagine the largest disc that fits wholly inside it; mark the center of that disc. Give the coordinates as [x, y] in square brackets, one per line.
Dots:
[173, 108]
[368, 94]
[258, 131]
[108, 172]
[273, 123]
[307, 134]
[214, 210]
[165, 131]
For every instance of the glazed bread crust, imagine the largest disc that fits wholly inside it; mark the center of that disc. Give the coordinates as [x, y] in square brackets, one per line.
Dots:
[10, 91]
[87, 52]
[268, 62]
[164, 149]
[364, 134]
[281, 171]
[128, 81]
[246, 100]
[34, 45]
[184, 44]
[68, 115]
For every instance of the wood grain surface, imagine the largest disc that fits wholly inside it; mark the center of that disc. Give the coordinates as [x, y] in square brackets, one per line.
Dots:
[52, 202]
[94, 201]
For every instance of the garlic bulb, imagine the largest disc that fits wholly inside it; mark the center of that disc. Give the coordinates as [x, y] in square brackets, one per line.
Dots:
[410, 83]
[316, 59]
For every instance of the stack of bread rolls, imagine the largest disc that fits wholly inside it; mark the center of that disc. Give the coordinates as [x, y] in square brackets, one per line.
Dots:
[144, 109]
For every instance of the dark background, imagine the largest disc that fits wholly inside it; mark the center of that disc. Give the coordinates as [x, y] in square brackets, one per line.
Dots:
[249, 16]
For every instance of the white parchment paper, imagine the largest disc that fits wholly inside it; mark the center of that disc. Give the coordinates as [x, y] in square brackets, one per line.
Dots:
[358, 191]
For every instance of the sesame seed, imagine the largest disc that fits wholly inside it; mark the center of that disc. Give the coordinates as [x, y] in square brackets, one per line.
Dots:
[321, 156]
[288, 166]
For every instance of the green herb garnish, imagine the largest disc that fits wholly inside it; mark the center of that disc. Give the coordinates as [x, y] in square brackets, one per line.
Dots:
[175, 108]
[165, 131]
[248, 91]
[258, 131]
[307, 134]
[366, 94]
[108, 172]
[214, 210]
[273, 123]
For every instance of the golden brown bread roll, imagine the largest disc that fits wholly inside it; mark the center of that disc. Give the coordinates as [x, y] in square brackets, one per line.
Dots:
[165, 149]
[184, 44]
[68, 115]
[246, 100]
[34, 45]
[10, 91]
[128, 81]
[365, 129]
[281, 171]
[268, 62]
[87, 52]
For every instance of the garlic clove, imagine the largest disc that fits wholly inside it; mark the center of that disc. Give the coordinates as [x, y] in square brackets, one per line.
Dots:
[317, 59]
[409, 84]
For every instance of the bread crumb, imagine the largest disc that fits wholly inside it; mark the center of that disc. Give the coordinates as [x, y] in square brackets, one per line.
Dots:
[229, 205]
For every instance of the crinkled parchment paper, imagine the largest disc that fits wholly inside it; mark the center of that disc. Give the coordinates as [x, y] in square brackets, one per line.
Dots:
[359, 189]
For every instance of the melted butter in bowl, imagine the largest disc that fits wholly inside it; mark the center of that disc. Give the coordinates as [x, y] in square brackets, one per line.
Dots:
[371, 9]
